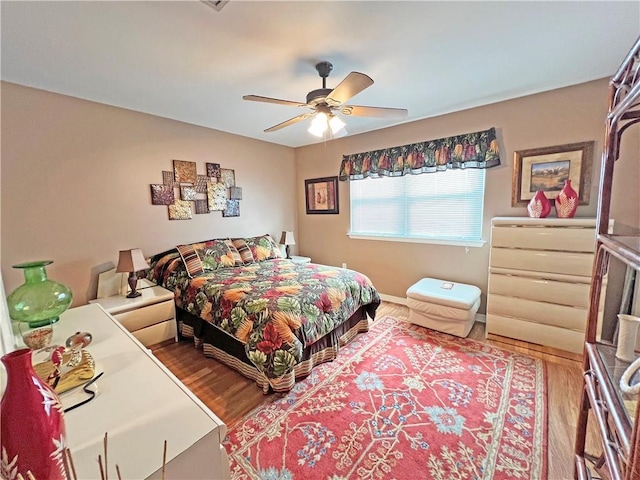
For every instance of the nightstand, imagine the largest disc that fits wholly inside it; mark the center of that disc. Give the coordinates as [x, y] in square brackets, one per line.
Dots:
[149, 317]
[298, 259]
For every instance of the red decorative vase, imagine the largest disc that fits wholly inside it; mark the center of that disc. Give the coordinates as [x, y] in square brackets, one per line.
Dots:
[32, 433]
[566, 201]
[539, 206]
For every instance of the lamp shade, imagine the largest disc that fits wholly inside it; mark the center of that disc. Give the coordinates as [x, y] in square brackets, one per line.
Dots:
[131, 261]
[287, 238]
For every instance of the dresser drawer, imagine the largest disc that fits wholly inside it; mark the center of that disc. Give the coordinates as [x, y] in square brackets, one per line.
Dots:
[143, 317]
[549, 335]
[538, 312]
[541, 290]
[543, 261]
[157, 333]
[574, 239]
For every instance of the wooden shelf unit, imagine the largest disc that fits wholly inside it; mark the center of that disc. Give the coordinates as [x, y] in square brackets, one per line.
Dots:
[619, 434]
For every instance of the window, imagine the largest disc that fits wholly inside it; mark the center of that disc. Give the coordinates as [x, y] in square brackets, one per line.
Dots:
[444, 207]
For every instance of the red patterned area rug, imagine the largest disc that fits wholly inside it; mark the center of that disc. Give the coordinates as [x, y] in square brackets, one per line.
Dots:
[402, 402]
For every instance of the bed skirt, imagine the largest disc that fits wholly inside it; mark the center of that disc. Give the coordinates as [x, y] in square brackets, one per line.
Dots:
[223, 347]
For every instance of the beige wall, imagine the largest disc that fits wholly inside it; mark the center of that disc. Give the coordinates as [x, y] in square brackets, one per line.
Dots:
[76, 174]
[568, 115]
[75, 184]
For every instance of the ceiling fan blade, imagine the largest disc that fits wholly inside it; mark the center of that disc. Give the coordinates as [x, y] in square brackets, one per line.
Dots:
[291, 121]
[258, 98]
[360, 111]
[352, 85]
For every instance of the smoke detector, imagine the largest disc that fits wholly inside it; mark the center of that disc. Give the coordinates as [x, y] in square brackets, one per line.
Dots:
[215, 4]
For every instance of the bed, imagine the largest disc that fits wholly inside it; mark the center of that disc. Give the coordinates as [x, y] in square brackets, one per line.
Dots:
[265, 316]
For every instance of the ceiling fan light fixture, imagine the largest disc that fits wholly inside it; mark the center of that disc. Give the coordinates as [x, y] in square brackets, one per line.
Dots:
[336, 124]
[323, 122]
[319, 125]
[324, 101]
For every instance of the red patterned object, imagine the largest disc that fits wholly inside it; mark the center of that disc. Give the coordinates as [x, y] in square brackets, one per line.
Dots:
[32, 433]
[402, 402]
[539, 206]
[567, 201]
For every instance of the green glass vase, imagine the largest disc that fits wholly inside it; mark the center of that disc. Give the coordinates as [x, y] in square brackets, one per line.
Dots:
[39, 301]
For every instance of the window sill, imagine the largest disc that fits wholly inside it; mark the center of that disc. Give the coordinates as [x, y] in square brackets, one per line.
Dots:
[458, 243]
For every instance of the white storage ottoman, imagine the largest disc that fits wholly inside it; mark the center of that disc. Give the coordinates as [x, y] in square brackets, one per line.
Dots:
[444, 306]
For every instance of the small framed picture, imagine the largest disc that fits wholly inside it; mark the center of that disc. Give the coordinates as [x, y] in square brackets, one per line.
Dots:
[548, 168]
[321, 195]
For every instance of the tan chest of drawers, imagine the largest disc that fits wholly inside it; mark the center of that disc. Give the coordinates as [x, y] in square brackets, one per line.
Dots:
[539, 280]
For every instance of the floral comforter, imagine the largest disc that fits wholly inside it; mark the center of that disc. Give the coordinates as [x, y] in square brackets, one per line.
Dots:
[275, 307]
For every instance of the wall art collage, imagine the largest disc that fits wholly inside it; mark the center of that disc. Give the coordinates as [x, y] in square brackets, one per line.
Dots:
[185, 191]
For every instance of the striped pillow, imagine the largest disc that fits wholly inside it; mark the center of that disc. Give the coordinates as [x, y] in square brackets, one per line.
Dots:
[191, 260]
[243, 250]
[237, 258]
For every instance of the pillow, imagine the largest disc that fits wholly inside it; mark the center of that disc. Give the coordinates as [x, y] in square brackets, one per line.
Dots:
[244, 250]
[158, 265]
[263, 248]
[191, 260]
[234, 253]
[215, 254]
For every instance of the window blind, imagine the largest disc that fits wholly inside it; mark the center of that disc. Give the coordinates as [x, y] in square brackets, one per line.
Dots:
[443, 206]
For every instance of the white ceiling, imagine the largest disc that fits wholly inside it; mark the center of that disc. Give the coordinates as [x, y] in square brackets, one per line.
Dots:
[184, 60]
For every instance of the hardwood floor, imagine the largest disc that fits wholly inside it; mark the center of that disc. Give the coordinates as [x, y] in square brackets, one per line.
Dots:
[231, 396]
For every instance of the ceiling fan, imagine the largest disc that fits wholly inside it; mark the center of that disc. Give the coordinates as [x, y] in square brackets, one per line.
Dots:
[326, 102]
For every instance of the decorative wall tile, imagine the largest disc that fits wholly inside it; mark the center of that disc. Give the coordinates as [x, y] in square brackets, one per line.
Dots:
[232, 210]
[202, 206]
[169, 178]
[213, 170]
[180, 210]
[235, 193]
[228, 177]
[215, 191]
[162, 194]
[201, 183]
[188, 193]
[185, 171]
[217, 196]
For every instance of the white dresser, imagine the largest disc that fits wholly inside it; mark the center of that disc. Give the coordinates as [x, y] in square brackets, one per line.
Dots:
[539, 280]
[140, 403]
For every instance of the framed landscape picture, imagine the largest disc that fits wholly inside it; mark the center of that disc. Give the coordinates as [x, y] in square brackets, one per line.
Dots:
[548, 168]
[321, 195]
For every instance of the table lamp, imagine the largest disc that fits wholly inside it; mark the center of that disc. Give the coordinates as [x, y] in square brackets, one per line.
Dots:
[132, 261]
[287, 239]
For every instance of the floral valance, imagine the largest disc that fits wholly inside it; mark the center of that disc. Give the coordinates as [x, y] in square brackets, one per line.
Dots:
[471, 150]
